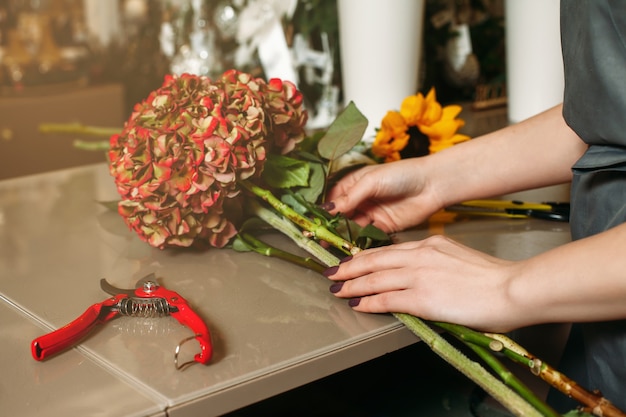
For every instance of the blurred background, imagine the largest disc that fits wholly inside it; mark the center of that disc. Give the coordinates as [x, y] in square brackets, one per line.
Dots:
[90, 61]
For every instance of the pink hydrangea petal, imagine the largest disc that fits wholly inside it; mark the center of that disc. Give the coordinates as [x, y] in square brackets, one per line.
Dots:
[186, 145]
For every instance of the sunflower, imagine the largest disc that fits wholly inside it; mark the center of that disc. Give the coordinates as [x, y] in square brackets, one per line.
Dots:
[422, 126]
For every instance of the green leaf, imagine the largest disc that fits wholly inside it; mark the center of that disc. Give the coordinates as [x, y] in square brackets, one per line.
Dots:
[343, 134]
[309, 143]
[374, 233]
[293, 202]
[284, 172]
[317, 180]
[371, 236]
[254, 224]
[307, 156]
[364, 237]
[240, 245]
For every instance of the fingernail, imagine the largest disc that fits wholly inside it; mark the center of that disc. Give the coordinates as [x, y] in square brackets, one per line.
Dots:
[353, 302]
[346, 259]
[336, 287]
[330, 271]
[328, 205]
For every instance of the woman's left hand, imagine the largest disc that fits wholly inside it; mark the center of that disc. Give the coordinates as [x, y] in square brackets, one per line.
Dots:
[435, 279]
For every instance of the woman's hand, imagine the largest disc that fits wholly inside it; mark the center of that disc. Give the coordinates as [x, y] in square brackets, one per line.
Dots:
[435, 279]
[392, 196]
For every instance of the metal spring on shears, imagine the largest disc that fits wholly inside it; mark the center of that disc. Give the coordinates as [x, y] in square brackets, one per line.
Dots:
[144, 307]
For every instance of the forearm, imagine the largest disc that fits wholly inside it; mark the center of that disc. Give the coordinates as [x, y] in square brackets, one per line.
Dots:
[534, 153]
[581, 281]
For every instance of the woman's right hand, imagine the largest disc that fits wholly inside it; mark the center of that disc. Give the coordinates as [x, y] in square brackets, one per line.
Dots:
[392, 196]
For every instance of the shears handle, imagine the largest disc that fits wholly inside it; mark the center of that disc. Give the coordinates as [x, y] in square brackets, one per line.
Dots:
[187, 317]
[70, 334]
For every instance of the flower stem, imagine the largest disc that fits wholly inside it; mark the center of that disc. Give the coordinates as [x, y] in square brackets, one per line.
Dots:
[78, 128]
[286, 227]
[511, 380]
[487, 341]
[594, 401]
[473, 370]
[438, 344]
[319, 231]
[260, 247]
[516, 353]
[519, 400]
[100, 145]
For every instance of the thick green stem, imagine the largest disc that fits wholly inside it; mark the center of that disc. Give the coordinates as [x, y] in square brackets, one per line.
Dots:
[317, 230]
[487, 341]
[473, 370]
[594, 401]
[513, 381]
[290, 230]
[516, 353]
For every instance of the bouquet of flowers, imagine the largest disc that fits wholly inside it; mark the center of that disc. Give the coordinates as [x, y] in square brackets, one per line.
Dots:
[192, 153]
[199, 161]
[179, 159]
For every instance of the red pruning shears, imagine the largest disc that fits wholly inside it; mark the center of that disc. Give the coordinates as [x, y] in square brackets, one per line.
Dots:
[148, 299]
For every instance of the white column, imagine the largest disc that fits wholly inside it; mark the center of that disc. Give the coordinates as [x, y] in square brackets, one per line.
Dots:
[533, 57]
[381, 44]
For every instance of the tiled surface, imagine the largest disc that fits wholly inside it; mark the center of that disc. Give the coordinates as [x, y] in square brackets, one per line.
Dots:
[274, 325]
[70, 385]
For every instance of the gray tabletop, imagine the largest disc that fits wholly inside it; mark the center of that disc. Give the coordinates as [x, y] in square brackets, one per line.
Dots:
[275, 326]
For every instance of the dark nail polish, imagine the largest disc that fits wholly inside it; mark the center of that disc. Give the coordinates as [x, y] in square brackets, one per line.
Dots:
[336, 287]
[346, 259]
[331, 271]
[353, 302]
[328, 206]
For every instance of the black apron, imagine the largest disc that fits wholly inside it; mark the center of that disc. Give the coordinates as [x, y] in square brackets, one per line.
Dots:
[593, 36]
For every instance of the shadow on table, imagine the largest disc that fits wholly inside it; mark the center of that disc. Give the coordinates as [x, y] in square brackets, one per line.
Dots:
[413, 381]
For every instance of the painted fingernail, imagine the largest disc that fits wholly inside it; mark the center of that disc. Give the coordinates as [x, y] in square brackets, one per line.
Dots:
[346, 259]
[353, 302]
[336, 287]
[331, 271]
[328, 205]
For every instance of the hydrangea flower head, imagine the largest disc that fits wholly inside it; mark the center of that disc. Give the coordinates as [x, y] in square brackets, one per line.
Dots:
[180, 155]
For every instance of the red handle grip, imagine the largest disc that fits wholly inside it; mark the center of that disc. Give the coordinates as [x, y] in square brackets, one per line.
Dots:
[187, 317]
[70, 334]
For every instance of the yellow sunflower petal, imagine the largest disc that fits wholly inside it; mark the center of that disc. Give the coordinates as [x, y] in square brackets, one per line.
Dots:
[412, 108]
[438, 145]
[451, 111]
[431, 97]
[394, 122]
[388, 145]
[432, 113]
[443, 128]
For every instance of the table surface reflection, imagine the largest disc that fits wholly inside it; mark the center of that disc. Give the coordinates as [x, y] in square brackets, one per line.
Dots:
[274, 325]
